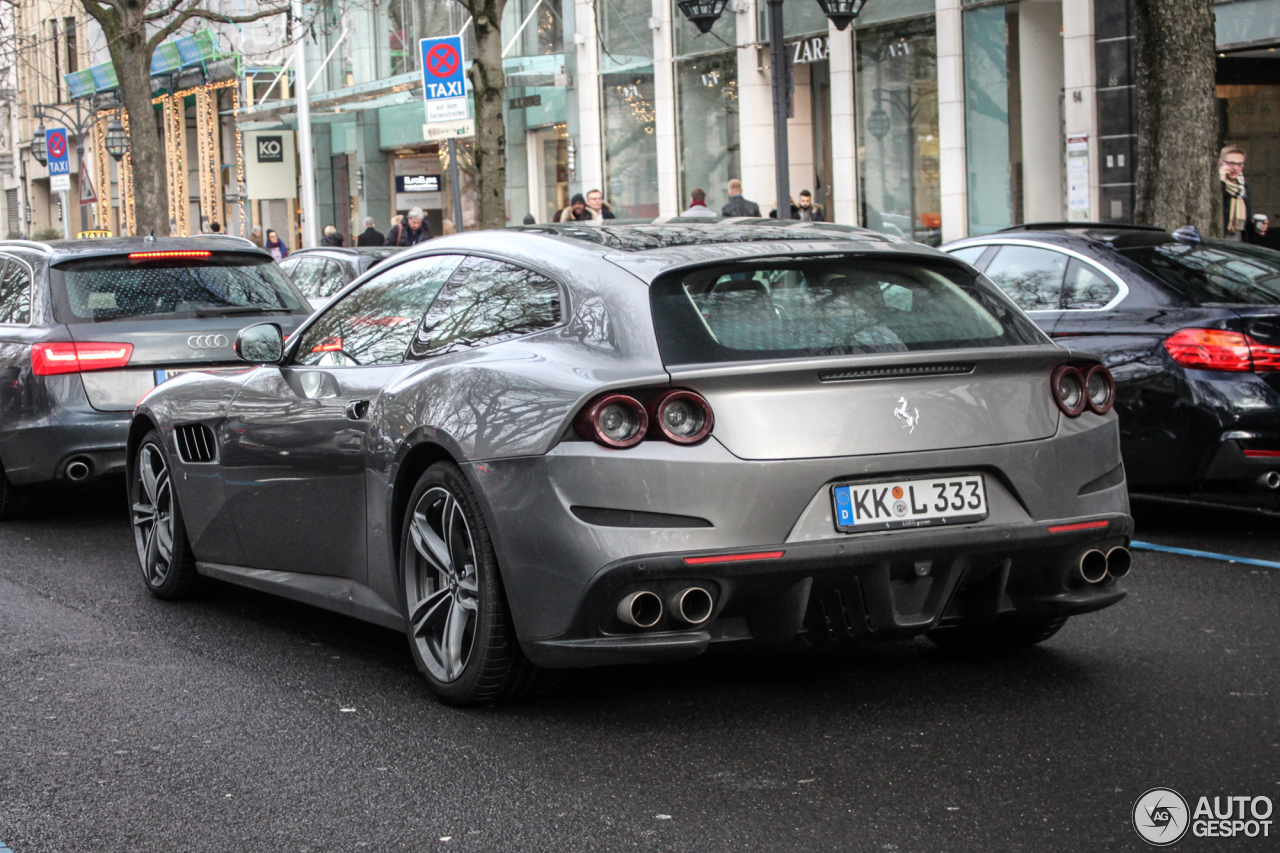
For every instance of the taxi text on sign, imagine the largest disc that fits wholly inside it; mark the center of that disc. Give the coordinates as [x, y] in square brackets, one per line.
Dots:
[55, 140]
[444, 86]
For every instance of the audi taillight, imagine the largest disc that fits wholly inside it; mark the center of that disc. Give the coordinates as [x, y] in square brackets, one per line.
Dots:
[682, 417]
[1099, 389]
[1068, 385]
[59, 357]
[614, 420]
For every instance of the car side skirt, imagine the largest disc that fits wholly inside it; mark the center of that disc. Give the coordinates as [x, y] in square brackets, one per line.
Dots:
[341, 595]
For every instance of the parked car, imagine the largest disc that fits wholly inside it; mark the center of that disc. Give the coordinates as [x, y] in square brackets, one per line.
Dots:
[321, 272]
[87, 327]
[1190, 329]
[568, 446]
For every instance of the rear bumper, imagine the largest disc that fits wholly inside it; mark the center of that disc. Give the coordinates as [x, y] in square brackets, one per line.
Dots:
[875, 586]
[36, 443]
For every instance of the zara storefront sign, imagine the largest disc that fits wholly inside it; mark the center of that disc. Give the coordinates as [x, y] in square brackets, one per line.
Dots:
[808, 50]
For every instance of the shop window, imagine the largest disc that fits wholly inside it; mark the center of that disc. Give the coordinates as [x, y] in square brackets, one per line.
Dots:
[707, 88]
[630, 139]
[986, 110]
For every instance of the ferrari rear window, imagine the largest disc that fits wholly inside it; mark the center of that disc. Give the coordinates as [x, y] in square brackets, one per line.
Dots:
[805, 308]
[104, 289]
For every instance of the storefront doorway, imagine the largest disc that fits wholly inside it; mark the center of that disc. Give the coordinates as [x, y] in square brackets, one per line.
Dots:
[548, 155]
[1249, 116]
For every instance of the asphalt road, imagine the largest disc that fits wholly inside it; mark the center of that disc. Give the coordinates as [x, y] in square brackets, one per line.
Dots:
[241, 722]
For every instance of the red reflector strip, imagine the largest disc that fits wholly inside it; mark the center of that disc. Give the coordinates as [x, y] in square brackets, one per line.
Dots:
[172, 253]
[1263, 454]
[1084, 525]
[733, 558]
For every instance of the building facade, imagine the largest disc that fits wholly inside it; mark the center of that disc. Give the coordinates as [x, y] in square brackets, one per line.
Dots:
[933, 119]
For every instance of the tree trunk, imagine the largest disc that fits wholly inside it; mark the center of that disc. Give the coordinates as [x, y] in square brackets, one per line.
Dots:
[1177, 179]
[488, 86]
[132, 62]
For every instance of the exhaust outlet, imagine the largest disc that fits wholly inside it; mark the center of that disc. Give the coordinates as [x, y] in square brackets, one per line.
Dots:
[1093, 566]
[692, 605]
[642, 609]
[78, 469]
[1119, 562]
[1270, 480]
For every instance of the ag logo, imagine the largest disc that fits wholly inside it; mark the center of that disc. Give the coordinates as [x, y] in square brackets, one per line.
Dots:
[270, 149]
[1161, 817]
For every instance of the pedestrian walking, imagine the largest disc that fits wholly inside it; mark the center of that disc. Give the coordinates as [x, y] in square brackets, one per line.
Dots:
[275, 245]
[698, 204]
[1238, 221]
[810, 212]
[795, 211]
[256, 235]
[576, 211]
[739, 206]
[596, 206]
[215, 227]
[411, 230]
[371, 236]
[332, 236]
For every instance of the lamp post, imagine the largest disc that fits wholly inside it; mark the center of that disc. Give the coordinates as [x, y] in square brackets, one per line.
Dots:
[704, 14]
[79, 126]
[116, 140]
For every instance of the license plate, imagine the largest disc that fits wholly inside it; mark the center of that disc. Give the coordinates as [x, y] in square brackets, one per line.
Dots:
[910, 503]
[162, 375]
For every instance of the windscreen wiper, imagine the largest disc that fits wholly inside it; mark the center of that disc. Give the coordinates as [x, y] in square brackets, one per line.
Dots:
[240, 309]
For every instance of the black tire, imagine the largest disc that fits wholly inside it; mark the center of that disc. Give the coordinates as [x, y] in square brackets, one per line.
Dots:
[480, 662]
[1004, 633]
[153, 506]
[13, 501]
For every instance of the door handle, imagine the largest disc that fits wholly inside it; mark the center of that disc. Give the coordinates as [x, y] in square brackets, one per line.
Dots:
[357, 409]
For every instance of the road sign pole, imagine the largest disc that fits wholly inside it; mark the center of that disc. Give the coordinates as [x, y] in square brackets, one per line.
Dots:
[306, 156]
[84, 209]
[66, 216]
[455, 184]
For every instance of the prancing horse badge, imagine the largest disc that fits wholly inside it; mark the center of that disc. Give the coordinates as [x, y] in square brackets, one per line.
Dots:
[909, 416]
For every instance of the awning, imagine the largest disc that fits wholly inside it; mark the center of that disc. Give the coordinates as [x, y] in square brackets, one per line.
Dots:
[170, 57]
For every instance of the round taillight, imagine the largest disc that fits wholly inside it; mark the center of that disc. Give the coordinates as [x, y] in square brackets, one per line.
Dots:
[1100, 388]
[614, 420]
[1069, 391]
[682, 416]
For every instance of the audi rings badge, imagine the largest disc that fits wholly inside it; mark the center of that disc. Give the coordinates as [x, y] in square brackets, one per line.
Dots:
[207, 341]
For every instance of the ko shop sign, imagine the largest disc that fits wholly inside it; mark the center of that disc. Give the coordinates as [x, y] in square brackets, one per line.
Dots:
[444, 85]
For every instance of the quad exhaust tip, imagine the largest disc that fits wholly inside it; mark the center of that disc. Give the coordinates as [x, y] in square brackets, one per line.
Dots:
[1119, 562]
[1093, 566]
[78, 469]
[1269, 480]
[642, 609]
[692, 605]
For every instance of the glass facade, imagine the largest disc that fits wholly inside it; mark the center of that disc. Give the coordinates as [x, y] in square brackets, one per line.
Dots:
[986, 111]
[627, 96]
[897, 120]
[707, 93]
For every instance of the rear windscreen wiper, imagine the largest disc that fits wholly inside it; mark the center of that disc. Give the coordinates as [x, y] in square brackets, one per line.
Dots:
[240, 309]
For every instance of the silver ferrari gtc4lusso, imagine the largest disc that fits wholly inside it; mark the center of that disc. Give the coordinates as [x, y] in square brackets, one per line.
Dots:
[567, 446]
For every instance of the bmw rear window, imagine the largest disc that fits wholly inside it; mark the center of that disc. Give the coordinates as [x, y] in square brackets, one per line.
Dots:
[104, 289]
[804, 308]
[1209, 273]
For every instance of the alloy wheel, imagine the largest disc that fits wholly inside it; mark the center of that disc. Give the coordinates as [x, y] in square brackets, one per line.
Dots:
[153, 515]
[442, 585]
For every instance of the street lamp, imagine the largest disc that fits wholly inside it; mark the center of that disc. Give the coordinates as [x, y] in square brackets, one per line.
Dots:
[116, 141]
[39, 149]
[704, 13]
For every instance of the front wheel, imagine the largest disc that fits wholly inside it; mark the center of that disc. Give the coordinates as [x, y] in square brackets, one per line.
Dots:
[168, 566]
[456, 615]
[1003, 633]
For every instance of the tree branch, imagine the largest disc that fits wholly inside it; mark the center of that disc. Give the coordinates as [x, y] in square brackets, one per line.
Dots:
[155, 16]
[217, 17]
[102, 14]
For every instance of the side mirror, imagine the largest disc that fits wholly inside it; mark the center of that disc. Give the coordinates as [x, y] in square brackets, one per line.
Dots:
[260, 344]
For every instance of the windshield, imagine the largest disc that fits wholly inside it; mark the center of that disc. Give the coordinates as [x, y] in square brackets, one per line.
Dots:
[1215, 272]
[820, 307]
[104, 289]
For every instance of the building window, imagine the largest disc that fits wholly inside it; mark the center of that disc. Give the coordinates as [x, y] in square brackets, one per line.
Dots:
[986, 113]
[710, 154]
[626, 78]
[897, 113]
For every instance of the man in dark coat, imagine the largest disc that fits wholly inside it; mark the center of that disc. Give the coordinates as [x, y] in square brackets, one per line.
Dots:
[413, 229]
[371, 236]
[1237, 204]
[739, 206]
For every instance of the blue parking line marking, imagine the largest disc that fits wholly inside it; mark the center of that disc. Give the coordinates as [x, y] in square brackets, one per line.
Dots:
[1188, 552]
[4, 848]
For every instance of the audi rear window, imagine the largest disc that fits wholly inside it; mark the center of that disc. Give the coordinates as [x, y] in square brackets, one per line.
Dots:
[805, 308]
[1214, 273]
[100, 290]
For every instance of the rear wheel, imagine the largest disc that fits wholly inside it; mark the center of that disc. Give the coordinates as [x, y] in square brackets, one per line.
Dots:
[456, 615]
[12, 500]
[1004, 633]
[168, 566]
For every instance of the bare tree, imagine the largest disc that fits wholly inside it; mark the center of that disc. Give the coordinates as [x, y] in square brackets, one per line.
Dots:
[1177, 180]
[488, 85]
[134, 29]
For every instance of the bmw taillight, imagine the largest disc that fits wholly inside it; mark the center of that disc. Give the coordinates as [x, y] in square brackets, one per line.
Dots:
[1069, 390]
[614, 420]
[623, 418]
[681, 416]
[1099, 389]
[1218, 349]
[58, 357]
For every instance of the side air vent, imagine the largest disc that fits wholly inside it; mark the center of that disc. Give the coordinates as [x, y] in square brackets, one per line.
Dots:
[195, 443]
[903, 371]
